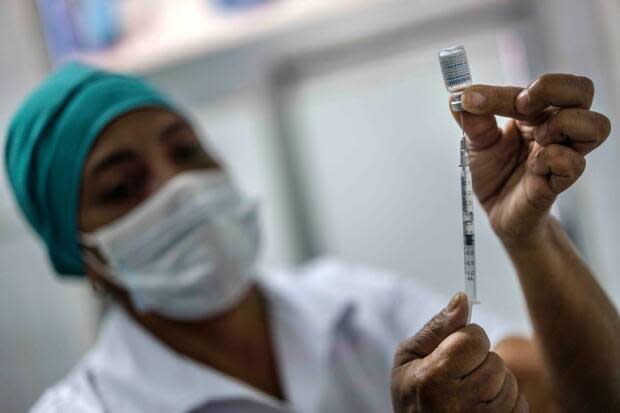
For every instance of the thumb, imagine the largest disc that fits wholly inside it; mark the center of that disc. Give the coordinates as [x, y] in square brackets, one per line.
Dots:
[482, 130]
[452, 318]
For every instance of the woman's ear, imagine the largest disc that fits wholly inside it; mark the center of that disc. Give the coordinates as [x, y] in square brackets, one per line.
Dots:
[97, 287]
[99, 280]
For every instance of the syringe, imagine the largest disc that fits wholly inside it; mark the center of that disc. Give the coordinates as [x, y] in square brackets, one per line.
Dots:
[457, 77]
[469, 240]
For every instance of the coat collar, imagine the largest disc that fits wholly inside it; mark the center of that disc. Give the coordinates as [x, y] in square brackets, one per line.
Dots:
[132, 368]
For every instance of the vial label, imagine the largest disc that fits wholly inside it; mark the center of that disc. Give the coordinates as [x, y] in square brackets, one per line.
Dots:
[455, 70]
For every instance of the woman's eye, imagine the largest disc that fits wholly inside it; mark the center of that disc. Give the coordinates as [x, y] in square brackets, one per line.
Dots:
[119, 192]
[187, 152]
[123, 191]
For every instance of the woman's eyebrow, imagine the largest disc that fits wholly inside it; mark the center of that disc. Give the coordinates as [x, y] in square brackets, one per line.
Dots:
[171, 129]
[112, 160]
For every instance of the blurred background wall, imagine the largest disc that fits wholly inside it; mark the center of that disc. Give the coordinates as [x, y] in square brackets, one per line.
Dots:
[334, 115]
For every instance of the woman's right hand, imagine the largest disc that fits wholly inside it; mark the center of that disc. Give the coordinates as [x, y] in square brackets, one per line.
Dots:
[447, 367]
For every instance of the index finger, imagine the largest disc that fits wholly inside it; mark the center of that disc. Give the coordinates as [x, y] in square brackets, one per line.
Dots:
[559, 90]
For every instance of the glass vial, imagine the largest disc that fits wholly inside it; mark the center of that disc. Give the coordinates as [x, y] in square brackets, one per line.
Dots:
[456, 73]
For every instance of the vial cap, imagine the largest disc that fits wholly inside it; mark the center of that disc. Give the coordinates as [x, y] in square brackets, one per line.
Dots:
[456, 105]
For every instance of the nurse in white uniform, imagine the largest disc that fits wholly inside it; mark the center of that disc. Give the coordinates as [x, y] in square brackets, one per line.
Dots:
[116, 183]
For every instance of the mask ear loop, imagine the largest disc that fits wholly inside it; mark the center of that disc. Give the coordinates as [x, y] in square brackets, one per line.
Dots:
[88, 241]
[102, 269]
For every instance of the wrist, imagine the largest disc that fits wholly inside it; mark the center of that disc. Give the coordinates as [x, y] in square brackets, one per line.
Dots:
[531, 240]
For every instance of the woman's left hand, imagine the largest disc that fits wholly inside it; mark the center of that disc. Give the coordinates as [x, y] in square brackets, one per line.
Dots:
[519, 170]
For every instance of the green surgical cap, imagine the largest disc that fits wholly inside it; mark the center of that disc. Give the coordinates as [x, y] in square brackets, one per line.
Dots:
[48, 142]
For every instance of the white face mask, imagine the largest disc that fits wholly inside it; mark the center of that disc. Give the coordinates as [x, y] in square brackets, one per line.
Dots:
[188, 252]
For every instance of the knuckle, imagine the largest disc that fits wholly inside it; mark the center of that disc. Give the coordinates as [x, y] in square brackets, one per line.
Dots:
[522, 405]
[558, 159]
[571, 116]
[545, 82]
[569, 165]
[579, 165]
[561, 122]
[477, 338]
[440, 366]
[493, 378]
[511, 384]
[588, 85]
[488, 390]
[402, 353]
[574, 120]
[604, 126]
[538, 86]
[507, 398]
[545, 79]
[565, 161]
[533, 163]
[496, 361]
[425, 384]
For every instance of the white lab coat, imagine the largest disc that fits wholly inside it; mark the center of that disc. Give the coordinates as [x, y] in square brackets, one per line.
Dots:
[335, 330]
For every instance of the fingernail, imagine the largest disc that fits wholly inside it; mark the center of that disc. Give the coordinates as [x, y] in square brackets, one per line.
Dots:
[454, 302]
[523, 99]
[475, 99]
[540, 132]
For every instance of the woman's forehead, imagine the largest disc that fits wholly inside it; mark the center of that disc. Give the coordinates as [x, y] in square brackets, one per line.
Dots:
[131, 130]
[140, 120]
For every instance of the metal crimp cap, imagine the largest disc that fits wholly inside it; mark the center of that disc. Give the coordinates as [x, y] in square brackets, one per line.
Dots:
[456, 105]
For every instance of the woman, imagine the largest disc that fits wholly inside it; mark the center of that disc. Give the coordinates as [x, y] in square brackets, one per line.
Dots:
[117, 184]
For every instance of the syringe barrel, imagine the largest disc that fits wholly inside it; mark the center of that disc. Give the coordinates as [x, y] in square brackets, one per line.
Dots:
[469, 240]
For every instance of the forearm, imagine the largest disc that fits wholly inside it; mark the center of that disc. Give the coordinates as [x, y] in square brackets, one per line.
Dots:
[576, 324]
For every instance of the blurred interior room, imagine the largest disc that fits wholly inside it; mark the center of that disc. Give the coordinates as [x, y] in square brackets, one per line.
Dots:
[332, 114]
